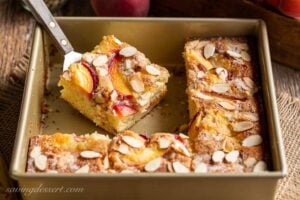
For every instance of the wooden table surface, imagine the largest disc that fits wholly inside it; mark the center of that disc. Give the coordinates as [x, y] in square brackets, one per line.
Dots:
[16, 29]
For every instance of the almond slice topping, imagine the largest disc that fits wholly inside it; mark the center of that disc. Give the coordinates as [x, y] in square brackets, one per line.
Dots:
[163, 143]
[153, 165]
[249, 116]
[117, 41]
[227, 105]
[222, 73]
[133, 142]
[201, 168]
[41, 162]
[218, 156]
[209, 50]
[242, 126]
[128, 64]
[245, 56]
[203, 96]
[83, 169]
[137, 84]
[88, 57]
[100, 61]
[152, 70]
[252, 140]
[181, 148]
[232, 156]
[200, 74]
[35, 152]
[249, 162]
[128, 51]
[123, 149]
[233, 54]
[106, 162]
[90, 154]
[102, 71]
[249, 82]
[220, 88]
[260, 167]
[179, 167]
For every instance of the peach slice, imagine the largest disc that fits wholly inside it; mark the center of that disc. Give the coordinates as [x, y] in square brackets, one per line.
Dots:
[124, 110]
[117, 77]
[84, 76]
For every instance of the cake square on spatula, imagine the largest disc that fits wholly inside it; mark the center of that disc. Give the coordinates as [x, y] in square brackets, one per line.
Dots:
[114, 85]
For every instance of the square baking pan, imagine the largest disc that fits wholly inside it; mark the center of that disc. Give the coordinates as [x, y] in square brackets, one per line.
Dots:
[162, 40]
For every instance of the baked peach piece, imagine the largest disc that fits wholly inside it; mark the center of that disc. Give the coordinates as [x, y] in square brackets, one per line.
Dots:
[115, 85]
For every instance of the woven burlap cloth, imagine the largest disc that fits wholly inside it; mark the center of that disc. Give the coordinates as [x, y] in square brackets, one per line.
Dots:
[289, 110]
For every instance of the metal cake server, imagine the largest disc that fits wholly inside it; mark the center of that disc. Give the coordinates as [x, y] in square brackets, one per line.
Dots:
[43, 15]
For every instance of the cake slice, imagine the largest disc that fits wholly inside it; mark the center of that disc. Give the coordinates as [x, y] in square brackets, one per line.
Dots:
[68, 153]
[226, 128]
[220, 66]
[159, 152]
[115, 85]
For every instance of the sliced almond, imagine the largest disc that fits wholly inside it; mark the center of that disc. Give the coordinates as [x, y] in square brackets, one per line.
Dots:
[249, 116]
[179, 167]
[83, 169]
[114, 96]
[102, 71]
[220, 88]
[152, 70]
[242, 126]
[218, 156]
[100, 61]
[232, 156]
[133, 142]
[201, 168]
[227, 105]
[209, 50]
[90, 154]
[117, 40]
[252, 140]
[183, 136]
[200, 74]
[88, 57]
[222, 73]
[164, 143]
[128, 64]
[35, 152]
[123, 149]
[41, 162]
[137, 84]
[128, 51]
[245, 56]
[106, 162]
[260, 167]
[181, 148]
[233, 54]
[249, 82]
[249, 162]
[240, 84]
[203, 96]
[153, 165]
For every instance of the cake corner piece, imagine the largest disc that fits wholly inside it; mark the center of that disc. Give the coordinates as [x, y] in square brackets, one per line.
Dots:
[114, 85]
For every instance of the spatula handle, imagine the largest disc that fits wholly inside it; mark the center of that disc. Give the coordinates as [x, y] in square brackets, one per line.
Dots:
[42, 14]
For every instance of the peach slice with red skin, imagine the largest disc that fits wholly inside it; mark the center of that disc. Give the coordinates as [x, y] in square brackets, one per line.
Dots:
[124, 110]
[117, 78]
